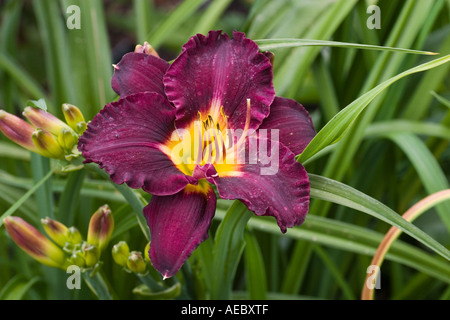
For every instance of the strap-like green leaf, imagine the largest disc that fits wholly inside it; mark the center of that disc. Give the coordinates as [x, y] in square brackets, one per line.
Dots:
[336, 128]
[271, 44]
[336, 192]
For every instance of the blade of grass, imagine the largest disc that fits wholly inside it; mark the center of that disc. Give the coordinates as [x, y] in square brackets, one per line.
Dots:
[351, 238]
[336, 128]
[25, 197]
[21, 76]
[209, 18]
[143, 11]
[393, 233]
[173, 21]
[255, 269]
[271, 44]
[69, 197]
[228, 247]
[57, 62]
[427, 167]
[339, 193]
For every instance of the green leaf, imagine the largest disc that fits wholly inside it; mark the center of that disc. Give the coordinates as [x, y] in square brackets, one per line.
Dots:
[210, 16]
[255, 269]
[25, 197]
[228, 247]
[169, 293]
[17, 287]
[174, 20]
[271, 44]
[427, 167]
[339, 193]
[337, 127]
[38, 104]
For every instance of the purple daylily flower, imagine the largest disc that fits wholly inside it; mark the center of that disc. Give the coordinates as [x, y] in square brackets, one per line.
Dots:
[215, 85]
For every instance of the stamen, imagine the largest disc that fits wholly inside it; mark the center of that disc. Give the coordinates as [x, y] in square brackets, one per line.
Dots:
[218, 154]
[208, 153]
[200, 142]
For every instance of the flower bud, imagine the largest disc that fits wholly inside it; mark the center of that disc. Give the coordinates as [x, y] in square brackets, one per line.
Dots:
[44, 120]
[17, 130]
[55, 230]
[136, 263]
[47, 144]
[77, 258]
[91, 254]
[73, 236]
[74, 118]
[81, 127]
[67, 139]
[147, 49]
[101, 227]
[120, 253]
[34, 243]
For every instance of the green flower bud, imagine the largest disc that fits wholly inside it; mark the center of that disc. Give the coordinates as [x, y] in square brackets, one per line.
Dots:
[136, 263]
[67, 138]
[47, 144]
[34, 243]
[74, 118]
[101, 227]
[81, 127]
[91, 254]
[73, 236]
[77, 258]
[120, 253]
[55, 230]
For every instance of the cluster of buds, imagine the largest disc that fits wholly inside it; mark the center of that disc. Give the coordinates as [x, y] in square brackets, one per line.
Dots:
[46, 135]
[147, 49]
[68, 247]
[133, 261]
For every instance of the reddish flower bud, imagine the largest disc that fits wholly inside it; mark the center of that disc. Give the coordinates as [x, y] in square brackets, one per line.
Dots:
[17, 130]
[101, 227]
[44, 120]
[34, 243]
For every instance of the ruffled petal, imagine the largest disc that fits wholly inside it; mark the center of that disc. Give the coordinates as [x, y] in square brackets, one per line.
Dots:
[295, 126]
[277, 186]
[216, 74]
[139, 72]
[125, 139]
[178, 224]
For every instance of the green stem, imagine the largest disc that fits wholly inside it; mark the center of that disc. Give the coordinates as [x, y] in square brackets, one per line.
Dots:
[98, 285]
[150, 282]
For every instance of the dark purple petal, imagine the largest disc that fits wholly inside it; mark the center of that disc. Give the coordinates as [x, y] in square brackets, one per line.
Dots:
[178, 224]
[139, 72]
[215, 71]
[268, 188]
[125, 139]
[295, 126]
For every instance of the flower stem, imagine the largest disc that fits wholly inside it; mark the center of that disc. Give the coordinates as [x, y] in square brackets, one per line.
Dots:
[98, 285]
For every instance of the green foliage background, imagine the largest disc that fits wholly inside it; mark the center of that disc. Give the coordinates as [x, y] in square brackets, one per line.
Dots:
[394, 149]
